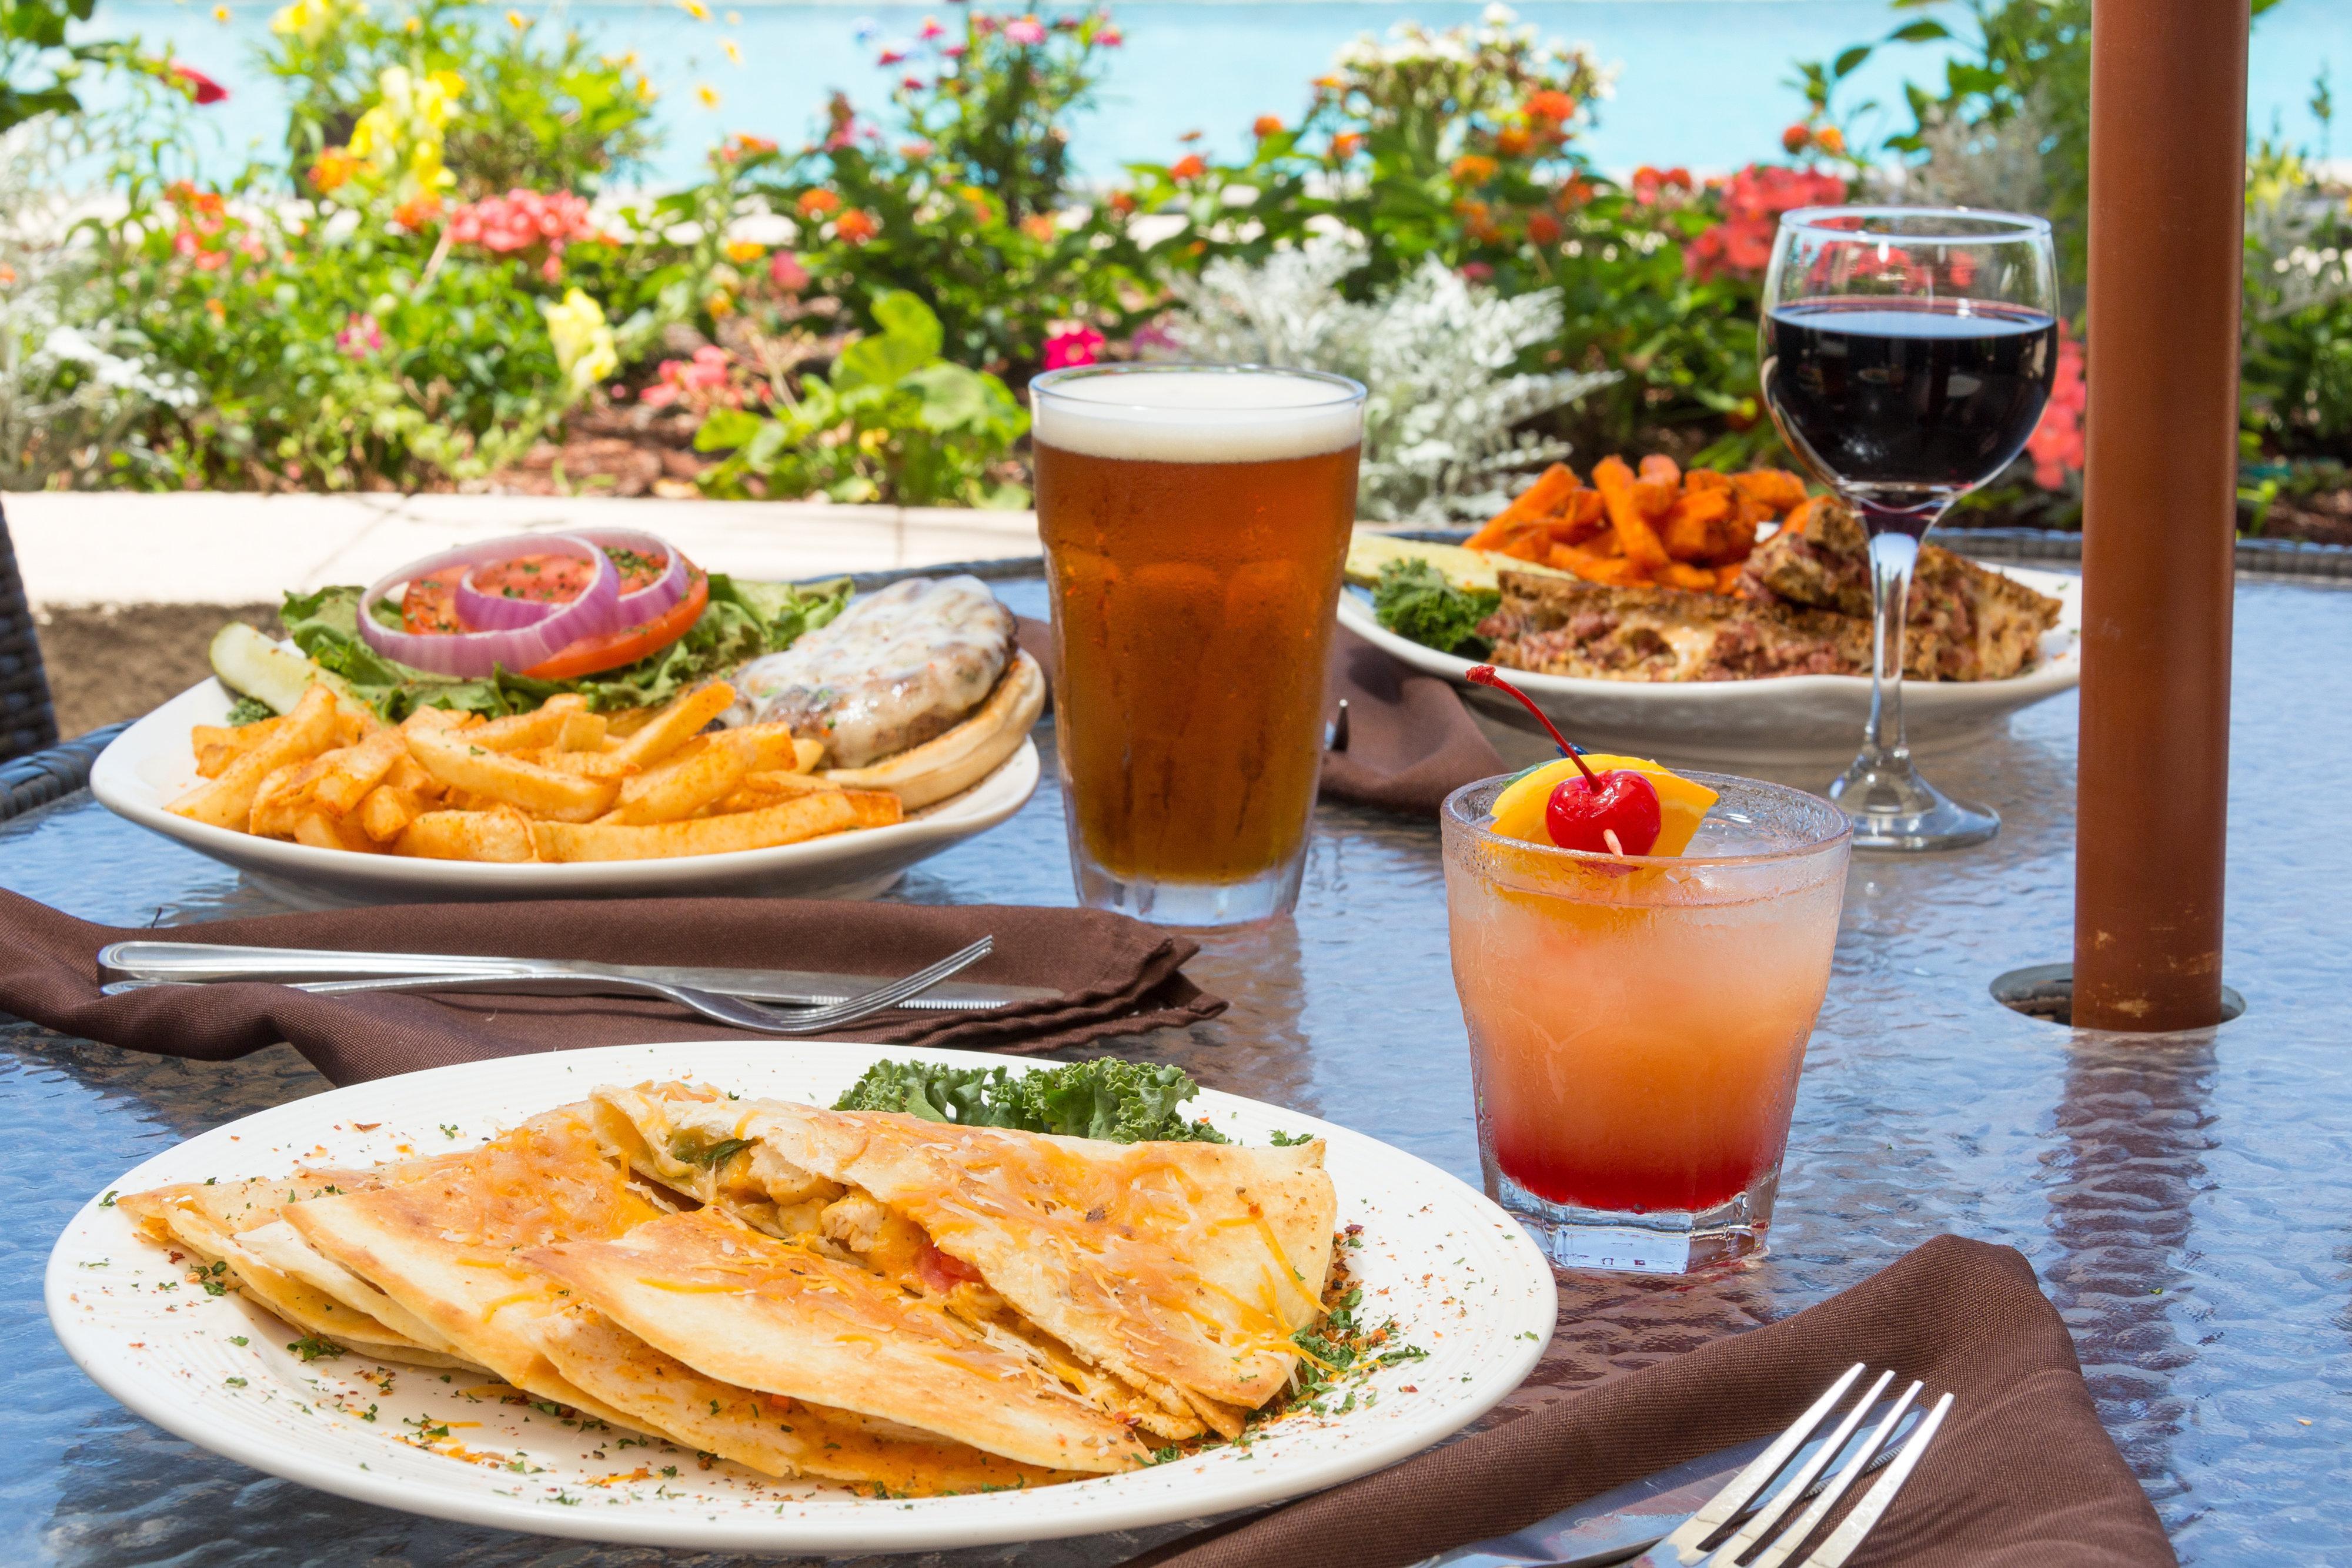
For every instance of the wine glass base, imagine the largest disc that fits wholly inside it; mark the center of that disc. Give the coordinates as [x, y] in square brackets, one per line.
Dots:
[1892, 808]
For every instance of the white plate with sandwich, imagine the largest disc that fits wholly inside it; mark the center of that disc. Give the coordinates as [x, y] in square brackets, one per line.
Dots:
[1652, 667]
[792, 742]
[711, 1312]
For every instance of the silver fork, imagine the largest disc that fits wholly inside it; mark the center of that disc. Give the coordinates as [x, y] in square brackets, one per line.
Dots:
[734, 1010]
[1755, 1545]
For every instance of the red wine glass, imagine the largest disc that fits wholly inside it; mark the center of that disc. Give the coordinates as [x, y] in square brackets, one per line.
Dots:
[1906, 354]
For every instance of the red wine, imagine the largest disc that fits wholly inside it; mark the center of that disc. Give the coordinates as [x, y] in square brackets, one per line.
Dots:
[1908, 403]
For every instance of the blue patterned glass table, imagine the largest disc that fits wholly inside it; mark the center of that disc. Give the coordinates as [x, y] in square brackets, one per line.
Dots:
[2187, 1203]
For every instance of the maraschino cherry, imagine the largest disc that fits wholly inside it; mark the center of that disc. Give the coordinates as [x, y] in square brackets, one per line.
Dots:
[1615, 813]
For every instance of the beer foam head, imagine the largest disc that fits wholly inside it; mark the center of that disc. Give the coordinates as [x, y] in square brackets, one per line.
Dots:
[1205, 414]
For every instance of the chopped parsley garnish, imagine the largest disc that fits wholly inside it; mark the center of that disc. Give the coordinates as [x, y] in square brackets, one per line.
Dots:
[310, 1347]
[1122, 1102]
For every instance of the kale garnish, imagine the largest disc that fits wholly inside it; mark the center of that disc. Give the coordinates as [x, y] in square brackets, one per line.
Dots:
[1123, 1101]
[1413, 600]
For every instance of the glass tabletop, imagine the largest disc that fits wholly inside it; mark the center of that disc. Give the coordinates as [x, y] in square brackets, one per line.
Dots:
[2186, 1203]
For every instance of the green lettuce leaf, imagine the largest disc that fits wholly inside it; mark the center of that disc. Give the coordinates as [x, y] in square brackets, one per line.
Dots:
[1120, 1101]
[743, 620]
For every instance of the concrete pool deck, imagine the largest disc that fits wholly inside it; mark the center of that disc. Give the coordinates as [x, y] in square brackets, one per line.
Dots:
[209, 547]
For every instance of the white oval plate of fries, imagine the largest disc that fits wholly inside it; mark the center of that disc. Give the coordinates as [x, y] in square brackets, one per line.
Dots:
[1782, 720]
[796, 843]
[1442, 1271]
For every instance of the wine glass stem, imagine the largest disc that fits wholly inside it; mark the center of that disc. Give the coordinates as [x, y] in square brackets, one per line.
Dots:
[1894, 552]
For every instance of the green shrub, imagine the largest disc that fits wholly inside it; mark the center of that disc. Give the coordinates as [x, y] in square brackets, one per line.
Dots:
[893, 421]
[969, 204]
[539, 113]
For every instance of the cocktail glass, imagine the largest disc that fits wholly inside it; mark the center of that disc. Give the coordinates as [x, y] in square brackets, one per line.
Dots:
[1637, 1024]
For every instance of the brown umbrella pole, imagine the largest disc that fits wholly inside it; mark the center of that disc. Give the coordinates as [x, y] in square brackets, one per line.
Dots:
[2168, 220]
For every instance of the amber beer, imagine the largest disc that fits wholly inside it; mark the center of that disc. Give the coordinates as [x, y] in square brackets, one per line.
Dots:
[1195, 521]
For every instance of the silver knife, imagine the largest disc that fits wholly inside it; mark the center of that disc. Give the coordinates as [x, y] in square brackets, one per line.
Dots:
[157, 960]
[1622, 1524]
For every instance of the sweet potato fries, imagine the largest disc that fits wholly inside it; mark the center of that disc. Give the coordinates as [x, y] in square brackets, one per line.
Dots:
[1658, 527]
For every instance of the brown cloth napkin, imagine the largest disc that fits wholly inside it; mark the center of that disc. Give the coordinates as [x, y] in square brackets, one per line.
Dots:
[2021, 1475]
[1407, 742]
[1117, 977]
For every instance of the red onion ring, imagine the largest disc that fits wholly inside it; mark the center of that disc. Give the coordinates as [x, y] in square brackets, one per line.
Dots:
[494, 611]
[594, 613]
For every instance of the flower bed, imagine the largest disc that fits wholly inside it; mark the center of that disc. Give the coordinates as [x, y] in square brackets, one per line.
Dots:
[437, 282]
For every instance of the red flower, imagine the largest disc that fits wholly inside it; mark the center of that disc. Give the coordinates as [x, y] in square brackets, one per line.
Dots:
[1550, 104]
[1190, 166]
[1075, 346]
[2056, 443]
[1121, 203]
[1795, 138]
[198, 86]
[1477, 272]
[1543, 229]
[1754, 199]
[1650, 184]
[785, 271]
[1267, 125]
[858, 226]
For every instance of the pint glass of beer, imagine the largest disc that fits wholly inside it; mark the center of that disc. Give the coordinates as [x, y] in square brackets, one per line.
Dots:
[1195, 520]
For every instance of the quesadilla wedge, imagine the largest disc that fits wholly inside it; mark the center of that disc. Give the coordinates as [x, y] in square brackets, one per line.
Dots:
[237, 1225]
[784, 1318]
[448, 1247]
[1162, 1280]
[770, 1433]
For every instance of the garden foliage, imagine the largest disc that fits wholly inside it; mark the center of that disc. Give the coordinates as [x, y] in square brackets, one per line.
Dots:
[444, 263]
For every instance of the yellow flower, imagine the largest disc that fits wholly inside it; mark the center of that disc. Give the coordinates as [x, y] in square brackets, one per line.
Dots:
[646, 93]
[695, 9]
[220, 14]
[720, 305]
[708, 94]
[584, 350]
[740, 251]
[309, 20]
[519, 22]
[734, 51]
[400, 137]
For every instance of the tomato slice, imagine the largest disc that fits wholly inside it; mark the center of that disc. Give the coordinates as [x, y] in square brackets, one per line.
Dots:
[590, 655]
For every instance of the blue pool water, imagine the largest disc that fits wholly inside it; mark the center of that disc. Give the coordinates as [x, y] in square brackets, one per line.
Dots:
[1702, 83]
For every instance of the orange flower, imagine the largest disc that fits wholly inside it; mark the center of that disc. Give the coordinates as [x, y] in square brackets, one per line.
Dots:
[1795, 138]
[1550, 104]
[8, 275]
[1345, 145]
[416, 215]
[1473, 169]
[1513, 141]
[1573, 195]
[1040, 226]
[858, 226]
[1267, 125]
[334, 170]
[1543, 229]
[816, 203]
[1829, 139]
[1190, 166]
[1121, 203]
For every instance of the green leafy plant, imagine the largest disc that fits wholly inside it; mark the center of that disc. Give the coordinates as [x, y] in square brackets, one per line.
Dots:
[970, 204]
[540, 110]
[891, 422]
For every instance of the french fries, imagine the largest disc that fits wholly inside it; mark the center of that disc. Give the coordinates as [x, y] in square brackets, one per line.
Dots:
[1658, 526]
[558, 783]
[787, 822]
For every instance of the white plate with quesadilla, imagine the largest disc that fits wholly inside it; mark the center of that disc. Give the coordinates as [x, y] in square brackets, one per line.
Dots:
[434, 1292]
